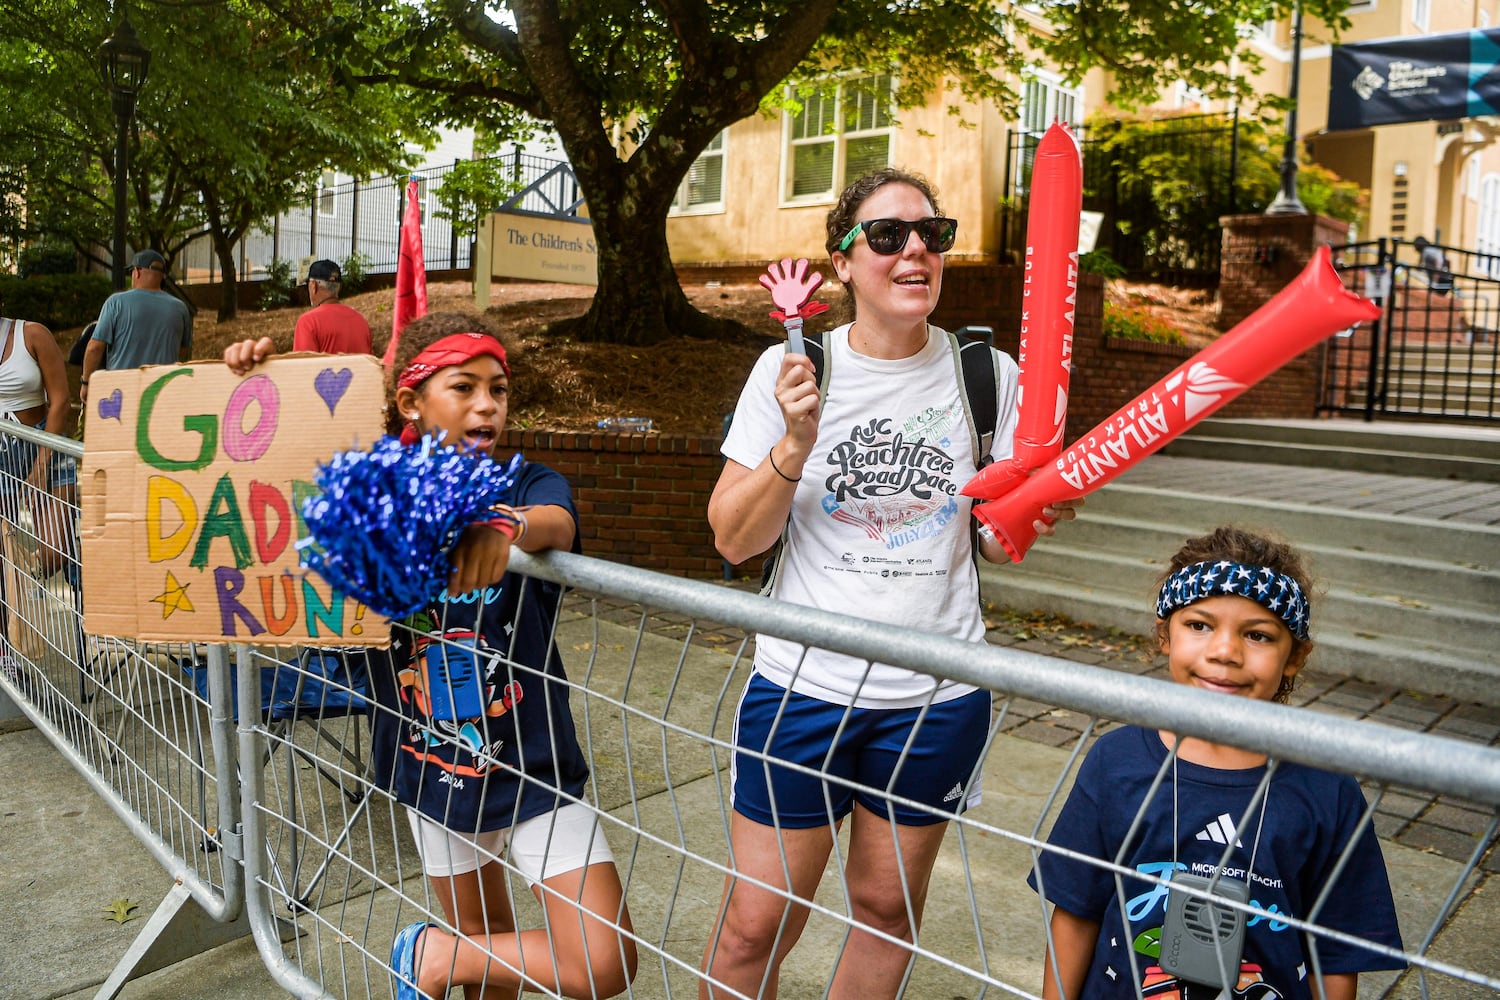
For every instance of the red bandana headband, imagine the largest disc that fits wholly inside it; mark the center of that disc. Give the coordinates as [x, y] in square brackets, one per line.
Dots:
[458, 349]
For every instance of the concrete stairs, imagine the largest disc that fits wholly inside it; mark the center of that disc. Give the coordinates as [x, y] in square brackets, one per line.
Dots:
[1462, 453]
[1408, 587]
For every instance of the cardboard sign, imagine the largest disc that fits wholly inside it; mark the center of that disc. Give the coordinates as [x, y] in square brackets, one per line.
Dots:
[191, 493]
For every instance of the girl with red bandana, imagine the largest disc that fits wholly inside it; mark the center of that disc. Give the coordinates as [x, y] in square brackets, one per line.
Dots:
[505, 775]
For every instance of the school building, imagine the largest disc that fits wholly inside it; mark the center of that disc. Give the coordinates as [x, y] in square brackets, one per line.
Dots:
[763, 187]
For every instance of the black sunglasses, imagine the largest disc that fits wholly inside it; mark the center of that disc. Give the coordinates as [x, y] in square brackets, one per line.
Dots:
[888, 236]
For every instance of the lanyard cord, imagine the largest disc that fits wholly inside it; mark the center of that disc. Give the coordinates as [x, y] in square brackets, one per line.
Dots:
[1259, 825]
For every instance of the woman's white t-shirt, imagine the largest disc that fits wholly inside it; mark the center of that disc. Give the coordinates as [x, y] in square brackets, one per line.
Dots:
[879, 529]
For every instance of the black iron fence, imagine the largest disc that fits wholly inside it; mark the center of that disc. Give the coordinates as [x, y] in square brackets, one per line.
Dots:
[364, 217]
[1435, 351]
[1161, 189]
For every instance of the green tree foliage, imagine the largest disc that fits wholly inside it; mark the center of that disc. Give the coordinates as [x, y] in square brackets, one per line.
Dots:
[669, 75]
[1320, 190]
[1186, 182]
[472, 189]
[47, 257]
[237, 117]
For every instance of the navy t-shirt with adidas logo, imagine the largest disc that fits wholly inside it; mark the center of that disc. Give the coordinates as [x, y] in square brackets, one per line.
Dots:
[1309, 818]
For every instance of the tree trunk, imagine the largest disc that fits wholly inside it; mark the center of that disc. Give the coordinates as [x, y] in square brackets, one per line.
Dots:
[639, 300]
[229, 298]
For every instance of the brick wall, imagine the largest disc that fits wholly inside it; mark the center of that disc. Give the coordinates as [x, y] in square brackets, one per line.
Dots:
[1263, 253]
[642, 498]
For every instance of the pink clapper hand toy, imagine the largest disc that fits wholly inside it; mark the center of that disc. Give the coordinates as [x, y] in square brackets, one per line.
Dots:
[792, 286]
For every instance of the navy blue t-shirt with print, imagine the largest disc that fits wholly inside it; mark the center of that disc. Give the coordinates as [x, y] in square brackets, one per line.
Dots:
[1310, 817]
[475, 732]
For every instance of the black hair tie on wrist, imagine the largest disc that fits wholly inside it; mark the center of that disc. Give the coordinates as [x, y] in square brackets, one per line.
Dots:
[772, 456]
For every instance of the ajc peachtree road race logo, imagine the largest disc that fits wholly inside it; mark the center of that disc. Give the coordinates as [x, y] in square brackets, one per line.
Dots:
[897, 485]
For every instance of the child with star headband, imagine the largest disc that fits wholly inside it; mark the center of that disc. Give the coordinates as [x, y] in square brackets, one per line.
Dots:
[1232, 616]
[472, 730]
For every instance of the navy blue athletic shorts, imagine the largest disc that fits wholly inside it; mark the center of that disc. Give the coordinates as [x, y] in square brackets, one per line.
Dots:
[939, 759]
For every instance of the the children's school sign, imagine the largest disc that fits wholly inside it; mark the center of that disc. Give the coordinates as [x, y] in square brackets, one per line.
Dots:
[537, 248]
[192, 489]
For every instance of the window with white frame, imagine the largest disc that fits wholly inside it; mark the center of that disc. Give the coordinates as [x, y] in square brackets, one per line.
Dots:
[1046, 100]
[703, 188]
[1421, 13]
[327, 198]
[1187, 96]
[1487, 240]
[836, 138]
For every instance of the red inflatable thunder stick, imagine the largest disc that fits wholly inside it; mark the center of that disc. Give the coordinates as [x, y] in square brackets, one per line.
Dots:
[1048, 303]
[1314, 306]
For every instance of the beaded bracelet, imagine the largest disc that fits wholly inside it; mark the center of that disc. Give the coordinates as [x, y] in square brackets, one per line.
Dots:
[508, 521]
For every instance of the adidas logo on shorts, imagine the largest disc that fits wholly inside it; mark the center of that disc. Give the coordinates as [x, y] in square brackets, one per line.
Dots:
[955, 792]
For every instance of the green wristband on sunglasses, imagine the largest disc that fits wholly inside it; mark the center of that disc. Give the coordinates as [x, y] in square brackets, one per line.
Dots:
[889, 236]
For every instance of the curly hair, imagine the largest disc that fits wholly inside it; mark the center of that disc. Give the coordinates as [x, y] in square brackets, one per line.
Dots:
[420, 334]
[1240, 545]
[841, 216]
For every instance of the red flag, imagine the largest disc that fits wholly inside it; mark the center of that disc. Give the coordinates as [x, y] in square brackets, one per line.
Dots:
[411, 272]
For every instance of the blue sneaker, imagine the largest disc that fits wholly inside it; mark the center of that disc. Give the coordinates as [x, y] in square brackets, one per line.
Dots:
[404, 961]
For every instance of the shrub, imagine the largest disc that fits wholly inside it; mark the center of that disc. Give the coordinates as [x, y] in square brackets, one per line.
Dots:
[1139, 323]
[276, 290]
[352, 273]
[57, 301]
[1102, 263]
[49, 256]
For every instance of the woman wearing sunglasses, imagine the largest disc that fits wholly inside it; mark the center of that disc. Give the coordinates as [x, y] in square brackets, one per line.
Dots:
[865, 479]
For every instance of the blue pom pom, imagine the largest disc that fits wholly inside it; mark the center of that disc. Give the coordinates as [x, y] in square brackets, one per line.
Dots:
[386, 520]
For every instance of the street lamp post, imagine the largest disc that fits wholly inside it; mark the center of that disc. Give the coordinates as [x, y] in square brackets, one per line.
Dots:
[1287, 202]
[124, 61]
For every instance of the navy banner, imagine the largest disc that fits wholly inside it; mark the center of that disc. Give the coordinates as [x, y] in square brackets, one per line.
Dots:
[1431, 78]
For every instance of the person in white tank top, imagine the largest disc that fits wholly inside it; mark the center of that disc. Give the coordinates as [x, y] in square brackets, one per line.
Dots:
[34, 391]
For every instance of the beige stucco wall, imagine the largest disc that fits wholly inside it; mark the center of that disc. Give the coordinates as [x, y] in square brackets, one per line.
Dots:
[962, 156]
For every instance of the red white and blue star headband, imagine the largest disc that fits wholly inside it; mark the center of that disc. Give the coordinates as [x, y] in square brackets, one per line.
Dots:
[1276, 592]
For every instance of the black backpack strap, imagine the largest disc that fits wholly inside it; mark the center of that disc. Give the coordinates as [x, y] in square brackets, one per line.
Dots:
[979, 377]
[817, 352]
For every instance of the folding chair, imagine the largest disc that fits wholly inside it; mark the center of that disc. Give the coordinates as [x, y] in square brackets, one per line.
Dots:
[316, 686]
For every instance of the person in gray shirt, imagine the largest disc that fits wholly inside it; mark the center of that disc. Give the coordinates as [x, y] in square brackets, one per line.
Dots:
[140, 326]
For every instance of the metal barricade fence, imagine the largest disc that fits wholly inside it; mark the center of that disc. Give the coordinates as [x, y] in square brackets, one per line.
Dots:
[154, 745]
[274, 807]
[334, 858]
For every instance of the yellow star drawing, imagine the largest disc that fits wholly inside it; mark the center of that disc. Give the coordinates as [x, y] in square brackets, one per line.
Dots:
[174, 598]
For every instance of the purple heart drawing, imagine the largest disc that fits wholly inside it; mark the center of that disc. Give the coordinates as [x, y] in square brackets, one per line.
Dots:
[110, 406]
[332, 385]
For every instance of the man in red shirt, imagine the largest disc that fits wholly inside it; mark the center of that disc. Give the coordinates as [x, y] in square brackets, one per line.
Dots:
[330, 327]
